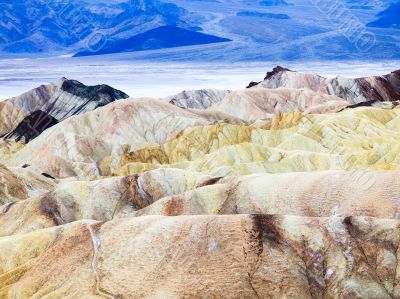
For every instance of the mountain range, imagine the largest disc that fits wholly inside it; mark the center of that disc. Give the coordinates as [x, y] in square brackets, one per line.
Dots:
[258, 30]
[287, 188]
[57, 26]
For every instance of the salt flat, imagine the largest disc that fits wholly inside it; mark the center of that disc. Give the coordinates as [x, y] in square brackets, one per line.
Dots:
[159, 79]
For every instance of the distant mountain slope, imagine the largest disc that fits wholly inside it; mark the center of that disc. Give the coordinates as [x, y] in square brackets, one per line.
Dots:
[31, 113]
[369, 89]
[162, 37]
[247, 13]
[273, 2]
[389, 18]
[52, 26]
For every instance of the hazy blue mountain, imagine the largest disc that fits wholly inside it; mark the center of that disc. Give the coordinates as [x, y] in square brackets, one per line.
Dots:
[262, 15]
[389, 18]
[159, 38]
[53, 26]
[311, 31]
[259, 30]
[273, 2]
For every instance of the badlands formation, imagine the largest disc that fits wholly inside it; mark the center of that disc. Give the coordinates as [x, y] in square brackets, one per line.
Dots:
[289, 188]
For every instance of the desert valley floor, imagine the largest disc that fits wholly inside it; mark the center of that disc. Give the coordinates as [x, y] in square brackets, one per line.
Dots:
[289, 188]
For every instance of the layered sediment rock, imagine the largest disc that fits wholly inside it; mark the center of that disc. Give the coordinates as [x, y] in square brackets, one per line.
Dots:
[350, 140]
[288, 189]
[20, 184]
[78, 145]
[378, 88]
[36, 110]
[101, 200]
[32, 126]
[149, 130]
[310, 194]
[258, 256]
[197, 99]
[263, 103]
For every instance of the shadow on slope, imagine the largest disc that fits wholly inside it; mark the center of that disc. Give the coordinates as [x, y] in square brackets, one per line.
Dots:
[162, 37]
[389, 18]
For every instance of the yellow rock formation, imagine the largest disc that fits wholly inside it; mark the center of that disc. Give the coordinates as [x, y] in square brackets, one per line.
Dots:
[363, 138]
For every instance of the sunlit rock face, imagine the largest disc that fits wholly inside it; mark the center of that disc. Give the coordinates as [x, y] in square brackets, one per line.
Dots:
[312, 194]
[355, 139]
[18, 184]
[287, 189]
[259, 256]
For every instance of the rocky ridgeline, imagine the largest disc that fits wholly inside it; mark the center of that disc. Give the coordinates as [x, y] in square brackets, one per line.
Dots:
[26, 116]
[286, 189]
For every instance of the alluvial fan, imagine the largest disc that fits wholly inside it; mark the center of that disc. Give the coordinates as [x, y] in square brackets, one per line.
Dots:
[289, 188]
